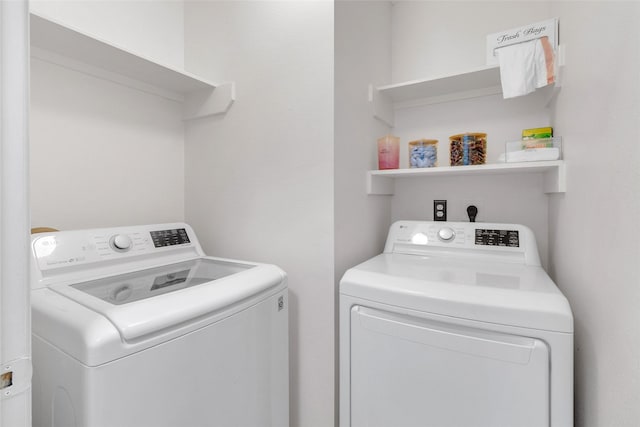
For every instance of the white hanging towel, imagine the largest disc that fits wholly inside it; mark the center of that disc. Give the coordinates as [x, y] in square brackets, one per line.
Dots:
[526, 66]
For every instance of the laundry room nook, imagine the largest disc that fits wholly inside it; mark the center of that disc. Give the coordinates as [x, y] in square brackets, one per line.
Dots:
[218, 224]
[416, 56]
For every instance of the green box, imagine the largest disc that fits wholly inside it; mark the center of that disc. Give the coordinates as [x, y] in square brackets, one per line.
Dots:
[537, 133]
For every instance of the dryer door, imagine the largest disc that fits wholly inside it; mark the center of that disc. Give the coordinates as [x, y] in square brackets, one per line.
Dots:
[407, 371]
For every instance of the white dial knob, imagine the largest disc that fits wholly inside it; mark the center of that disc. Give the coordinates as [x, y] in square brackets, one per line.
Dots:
[121, 242]
[446, 234]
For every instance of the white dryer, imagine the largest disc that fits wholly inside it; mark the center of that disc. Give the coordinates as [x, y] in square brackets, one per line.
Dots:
[455, 324]
[135, 327]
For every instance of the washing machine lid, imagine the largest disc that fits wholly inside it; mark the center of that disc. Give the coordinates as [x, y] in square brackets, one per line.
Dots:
[476, 289]
[143, 302]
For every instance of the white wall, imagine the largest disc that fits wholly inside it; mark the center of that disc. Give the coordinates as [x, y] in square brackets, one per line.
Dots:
[103, 154]
[363, 54]
[594, 227]
[432, 38]
[259, 181]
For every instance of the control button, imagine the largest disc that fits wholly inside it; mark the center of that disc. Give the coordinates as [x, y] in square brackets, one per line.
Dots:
[121, 293]
[446, 234]
[121, 242]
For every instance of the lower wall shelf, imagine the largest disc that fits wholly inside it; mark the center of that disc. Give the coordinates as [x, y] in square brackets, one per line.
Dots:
[382, 182]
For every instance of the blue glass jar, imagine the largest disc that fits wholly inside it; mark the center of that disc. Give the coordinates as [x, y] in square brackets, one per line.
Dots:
[423, 153]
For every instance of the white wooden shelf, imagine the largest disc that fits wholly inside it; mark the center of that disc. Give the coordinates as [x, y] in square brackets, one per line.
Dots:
[58, 43]
[482, 81]
[382, 182]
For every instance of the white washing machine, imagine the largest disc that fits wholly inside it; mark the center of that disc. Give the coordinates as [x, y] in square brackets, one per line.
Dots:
[135, 327]
[455, 324]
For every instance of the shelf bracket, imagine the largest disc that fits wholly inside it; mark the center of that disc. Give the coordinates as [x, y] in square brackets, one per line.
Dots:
[380, 185]
[209, 102]
[381, 106]
[555, 180]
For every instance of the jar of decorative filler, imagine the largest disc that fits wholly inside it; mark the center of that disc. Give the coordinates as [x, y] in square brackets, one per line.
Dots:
[468, 149]
[423, 153]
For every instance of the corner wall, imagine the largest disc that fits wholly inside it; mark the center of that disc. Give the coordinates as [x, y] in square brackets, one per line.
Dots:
[363, 56]
[594, 229]
[259, 180]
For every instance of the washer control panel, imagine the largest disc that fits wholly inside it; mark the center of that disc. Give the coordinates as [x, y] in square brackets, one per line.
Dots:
[71, 248]
[176, 236]
[509, 241]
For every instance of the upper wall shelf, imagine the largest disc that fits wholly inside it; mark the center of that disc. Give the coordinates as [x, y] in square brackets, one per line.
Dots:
[58, 43]
[382, 182]
[477, 82]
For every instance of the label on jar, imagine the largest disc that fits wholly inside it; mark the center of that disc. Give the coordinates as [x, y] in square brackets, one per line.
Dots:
[467, 141]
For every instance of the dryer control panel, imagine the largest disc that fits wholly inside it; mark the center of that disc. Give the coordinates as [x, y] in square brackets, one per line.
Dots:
[508, 242]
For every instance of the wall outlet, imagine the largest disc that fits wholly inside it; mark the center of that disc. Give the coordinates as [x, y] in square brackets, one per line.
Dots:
[439, 210]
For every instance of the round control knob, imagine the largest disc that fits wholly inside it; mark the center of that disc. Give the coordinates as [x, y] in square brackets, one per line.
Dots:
[121, 242]
[446, 234]
[121, 293]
